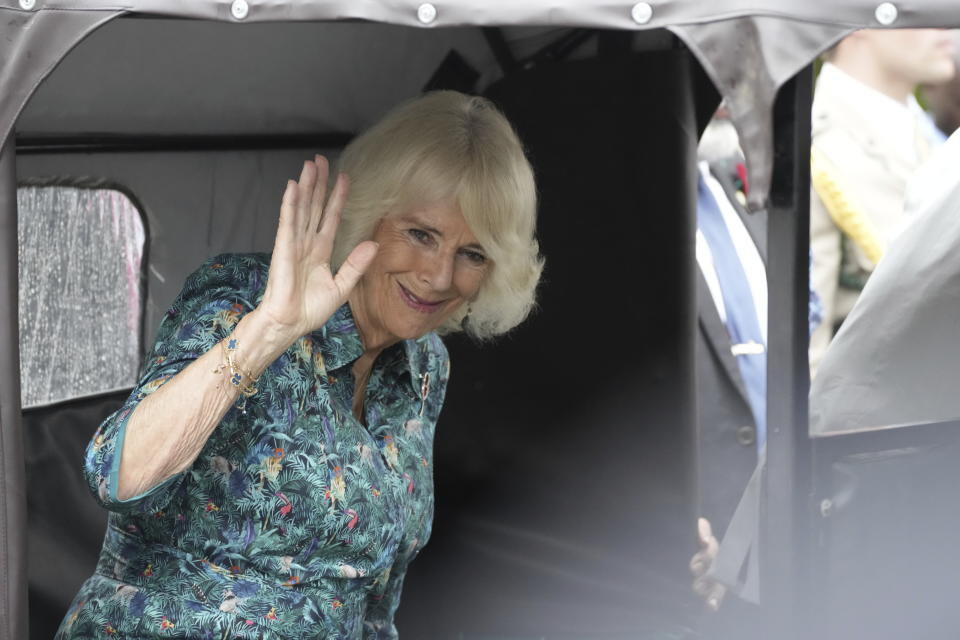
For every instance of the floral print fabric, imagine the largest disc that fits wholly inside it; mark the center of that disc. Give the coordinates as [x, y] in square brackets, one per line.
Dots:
[296, 520]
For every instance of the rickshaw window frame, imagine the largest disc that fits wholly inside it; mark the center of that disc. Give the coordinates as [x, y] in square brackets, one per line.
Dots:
[93, 183]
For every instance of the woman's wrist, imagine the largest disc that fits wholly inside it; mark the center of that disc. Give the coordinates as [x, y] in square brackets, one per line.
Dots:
[259, 341]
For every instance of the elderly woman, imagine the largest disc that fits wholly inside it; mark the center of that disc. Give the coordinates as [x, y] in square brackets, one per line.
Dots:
[271, 474]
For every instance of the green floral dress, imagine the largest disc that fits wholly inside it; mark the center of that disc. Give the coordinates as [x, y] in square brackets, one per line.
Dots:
[296, 520]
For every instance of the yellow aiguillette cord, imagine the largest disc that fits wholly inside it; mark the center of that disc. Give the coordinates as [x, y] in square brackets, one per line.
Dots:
[846, 215]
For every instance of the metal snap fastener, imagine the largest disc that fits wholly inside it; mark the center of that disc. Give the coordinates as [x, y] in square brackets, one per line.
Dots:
[886, 13]
[642, 12]
[746, 435]
[239, 9]
[426, 13]
[28, 4]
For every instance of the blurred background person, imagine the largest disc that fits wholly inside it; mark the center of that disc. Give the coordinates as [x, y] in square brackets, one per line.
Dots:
[943, 99]
[731, 376]
[732, 324]
[869, 136]
[730, 360]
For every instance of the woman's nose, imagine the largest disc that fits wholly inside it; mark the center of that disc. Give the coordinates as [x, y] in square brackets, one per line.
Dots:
[437, 271]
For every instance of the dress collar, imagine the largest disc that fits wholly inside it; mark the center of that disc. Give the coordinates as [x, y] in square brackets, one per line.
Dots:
[340, 344]
[339, 340]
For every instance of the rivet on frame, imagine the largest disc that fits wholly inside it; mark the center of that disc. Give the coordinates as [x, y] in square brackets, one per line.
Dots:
[642, 12]
[28, 4]
[426, 13]
[239, 9]
[886, 13]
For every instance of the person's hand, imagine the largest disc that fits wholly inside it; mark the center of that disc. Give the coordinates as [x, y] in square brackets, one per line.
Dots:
[710, 590]
[302, 292]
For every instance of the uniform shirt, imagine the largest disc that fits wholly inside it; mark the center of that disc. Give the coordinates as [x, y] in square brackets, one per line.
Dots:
[866, 145]
[295, 520]
[902, 122]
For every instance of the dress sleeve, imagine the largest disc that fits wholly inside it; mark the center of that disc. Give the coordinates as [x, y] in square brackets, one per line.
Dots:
[212, 301]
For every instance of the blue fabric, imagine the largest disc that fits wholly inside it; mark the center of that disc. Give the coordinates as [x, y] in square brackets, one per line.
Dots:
[742, 323]
[815, 308]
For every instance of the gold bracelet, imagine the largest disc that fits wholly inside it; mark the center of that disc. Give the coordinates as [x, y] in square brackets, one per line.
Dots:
[237, 375]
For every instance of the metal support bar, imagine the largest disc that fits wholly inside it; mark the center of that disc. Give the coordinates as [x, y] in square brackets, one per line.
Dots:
[786, 533]
[13, 495]
[118, 143]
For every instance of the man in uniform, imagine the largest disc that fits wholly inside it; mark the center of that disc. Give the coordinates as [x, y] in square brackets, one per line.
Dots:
[869, 136]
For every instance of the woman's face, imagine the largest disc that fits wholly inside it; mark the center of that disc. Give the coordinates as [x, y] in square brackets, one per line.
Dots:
[428, 265]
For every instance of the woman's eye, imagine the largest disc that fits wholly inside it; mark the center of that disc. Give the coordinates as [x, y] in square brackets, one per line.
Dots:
[419, 235]
[475, 257]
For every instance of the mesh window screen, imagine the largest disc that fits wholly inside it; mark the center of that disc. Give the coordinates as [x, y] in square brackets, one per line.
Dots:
[80, 292]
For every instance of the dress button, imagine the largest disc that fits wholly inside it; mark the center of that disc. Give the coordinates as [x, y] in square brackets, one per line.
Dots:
[746, 435]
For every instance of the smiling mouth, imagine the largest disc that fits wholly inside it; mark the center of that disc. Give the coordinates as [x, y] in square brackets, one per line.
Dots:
[417, 303]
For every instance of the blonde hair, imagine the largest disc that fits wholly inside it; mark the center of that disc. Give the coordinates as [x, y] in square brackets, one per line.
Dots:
[449, 146]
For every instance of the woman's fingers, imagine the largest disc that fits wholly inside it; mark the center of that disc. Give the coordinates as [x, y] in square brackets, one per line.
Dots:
[353, 267]
[288, 214]
[331, 214]
[288, 201]
[308, 176]
[301, 287]
[319, 194]
[305, 210]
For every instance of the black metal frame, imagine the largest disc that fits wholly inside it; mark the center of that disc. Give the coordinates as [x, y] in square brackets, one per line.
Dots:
[829, 447]
[29, 144]
[13, 504]
[786, 529]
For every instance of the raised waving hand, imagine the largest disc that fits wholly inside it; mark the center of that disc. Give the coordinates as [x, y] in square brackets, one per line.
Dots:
[302, 291]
